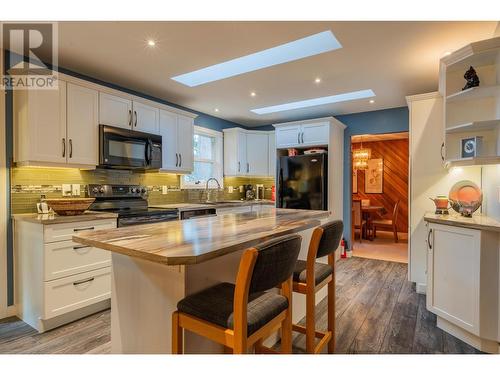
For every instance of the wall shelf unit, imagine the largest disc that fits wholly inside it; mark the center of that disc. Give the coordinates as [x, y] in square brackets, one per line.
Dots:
[474, 112]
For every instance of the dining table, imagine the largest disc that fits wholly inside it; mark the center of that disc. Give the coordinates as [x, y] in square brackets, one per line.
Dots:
[368, 212]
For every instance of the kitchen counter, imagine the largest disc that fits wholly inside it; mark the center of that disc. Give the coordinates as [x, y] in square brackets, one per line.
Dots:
[58, 219]
[480, 222]
[222, 204]
[194, 241]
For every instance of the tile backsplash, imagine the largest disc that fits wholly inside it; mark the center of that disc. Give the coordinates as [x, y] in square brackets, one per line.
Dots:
[27, 184]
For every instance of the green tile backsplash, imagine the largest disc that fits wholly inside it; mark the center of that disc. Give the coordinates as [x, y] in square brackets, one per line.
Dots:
[29, 183]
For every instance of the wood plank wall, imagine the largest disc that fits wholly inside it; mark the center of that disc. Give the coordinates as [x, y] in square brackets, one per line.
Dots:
[395, 184]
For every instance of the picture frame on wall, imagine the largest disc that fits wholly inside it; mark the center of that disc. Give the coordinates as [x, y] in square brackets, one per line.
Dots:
[354, 181]
[374, 176]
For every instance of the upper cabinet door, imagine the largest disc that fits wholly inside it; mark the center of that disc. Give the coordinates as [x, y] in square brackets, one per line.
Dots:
[257, 154]
[44, 124]
[168, 132]
[241, 144]
[82, 125]
[272, 154]
[146, 118]
[115, 111]
[315, 134]
[288, 136]
[185, 133]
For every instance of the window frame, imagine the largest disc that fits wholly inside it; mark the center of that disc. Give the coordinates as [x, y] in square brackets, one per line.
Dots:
[217, 161]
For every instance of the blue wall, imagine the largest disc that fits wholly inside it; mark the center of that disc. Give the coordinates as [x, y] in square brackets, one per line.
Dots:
[375, 122]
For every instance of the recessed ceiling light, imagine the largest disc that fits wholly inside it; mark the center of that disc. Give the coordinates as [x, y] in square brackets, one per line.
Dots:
[354, 95]
[372, 101]
[253, 94]
[298, 49]
[216, 110]
[151, 43]
[317, 80]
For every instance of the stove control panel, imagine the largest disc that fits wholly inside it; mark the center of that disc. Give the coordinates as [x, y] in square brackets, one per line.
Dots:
[116, 191]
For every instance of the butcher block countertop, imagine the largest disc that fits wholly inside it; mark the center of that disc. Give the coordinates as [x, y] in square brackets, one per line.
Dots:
[58, 219]
[194, 241]
[480, 222]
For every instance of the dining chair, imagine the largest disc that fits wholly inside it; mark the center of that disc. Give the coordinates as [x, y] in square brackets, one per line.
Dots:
[388, 224]
[359, 223]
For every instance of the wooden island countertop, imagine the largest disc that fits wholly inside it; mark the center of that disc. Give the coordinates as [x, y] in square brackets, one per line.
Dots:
[198, 240]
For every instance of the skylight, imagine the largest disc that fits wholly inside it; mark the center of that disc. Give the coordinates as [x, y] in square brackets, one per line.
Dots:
[298, 49]
[354, 95]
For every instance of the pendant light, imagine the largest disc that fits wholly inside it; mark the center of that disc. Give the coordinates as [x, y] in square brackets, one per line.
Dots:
[360, 157]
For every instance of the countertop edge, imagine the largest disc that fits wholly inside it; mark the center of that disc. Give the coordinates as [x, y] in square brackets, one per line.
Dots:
[58, 219]
[460, 221]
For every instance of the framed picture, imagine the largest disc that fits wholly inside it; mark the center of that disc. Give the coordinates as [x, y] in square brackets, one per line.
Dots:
[374, 176]
[354, 181]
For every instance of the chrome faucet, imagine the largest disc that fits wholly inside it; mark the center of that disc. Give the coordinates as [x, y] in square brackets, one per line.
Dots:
[206, 187]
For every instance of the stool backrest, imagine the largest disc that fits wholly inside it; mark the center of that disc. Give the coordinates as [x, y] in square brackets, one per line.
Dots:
[330, 240]
[275, 262]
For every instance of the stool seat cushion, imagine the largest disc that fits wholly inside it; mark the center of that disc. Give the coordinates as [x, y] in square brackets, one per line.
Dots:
[321, 271]
[215, 305]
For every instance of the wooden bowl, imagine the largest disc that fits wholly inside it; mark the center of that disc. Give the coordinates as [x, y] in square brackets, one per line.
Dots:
[70, 206]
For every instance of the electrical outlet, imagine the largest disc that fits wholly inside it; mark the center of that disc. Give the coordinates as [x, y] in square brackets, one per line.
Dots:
[66, 190]
[75, 190]
[164, 189]
[241, 188]
[229, 189]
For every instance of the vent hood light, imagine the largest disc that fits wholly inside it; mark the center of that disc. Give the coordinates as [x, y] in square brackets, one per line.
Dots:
[298, 49]
[354, 95]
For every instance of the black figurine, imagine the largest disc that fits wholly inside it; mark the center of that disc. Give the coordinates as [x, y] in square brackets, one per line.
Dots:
[471, 78]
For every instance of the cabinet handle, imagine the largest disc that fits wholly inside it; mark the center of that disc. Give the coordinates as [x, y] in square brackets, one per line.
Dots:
[135, 123]
[64, 147]
[302, 137]
[239, 165]
[129, 117]
[442, 149]
[429, 239]
[70, 148]
[80, 229]
[248, 168]
[180, 160]
[80, 247]
[298, 137]
[176, 159]
[83, 281]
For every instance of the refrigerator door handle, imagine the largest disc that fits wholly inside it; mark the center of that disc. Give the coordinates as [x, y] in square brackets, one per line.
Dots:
[298, 137]
[280, 190]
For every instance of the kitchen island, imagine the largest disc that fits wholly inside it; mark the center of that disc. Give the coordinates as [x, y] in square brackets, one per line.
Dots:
[155, 266]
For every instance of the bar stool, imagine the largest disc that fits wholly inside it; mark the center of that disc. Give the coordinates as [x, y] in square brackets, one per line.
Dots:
[240, 316]
[310, 276]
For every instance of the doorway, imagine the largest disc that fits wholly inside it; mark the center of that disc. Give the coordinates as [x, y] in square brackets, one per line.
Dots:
[379, 192]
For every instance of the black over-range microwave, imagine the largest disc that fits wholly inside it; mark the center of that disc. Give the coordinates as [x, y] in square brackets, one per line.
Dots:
[128, 149]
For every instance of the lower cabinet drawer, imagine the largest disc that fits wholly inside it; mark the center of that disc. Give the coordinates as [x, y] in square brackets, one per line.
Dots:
[64, 232]
[74, 292]
[68, 258]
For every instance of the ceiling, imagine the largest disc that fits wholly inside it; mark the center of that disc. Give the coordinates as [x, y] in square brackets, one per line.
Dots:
[379, 137]
[394, 59]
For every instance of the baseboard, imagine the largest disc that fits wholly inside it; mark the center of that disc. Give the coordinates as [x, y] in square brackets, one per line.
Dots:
[421, 288]
[477, 342]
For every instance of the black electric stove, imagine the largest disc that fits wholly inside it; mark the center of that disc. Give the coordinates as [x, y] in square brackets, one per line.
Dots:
[130, 203]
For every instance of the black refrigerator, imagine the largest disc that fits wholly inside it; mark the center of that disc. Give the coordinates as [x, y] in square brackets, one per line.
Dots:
[303, 182]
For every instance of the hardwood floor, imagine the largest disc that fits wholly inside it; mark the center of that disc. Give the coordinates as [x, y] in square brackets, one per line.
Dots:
[378, 311]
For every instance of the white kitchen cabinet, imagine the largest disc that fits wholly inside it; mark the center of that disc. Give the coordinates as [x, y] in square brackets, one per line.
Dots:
[272, 154]
[40, 126]
[115, 111]
[146, 118]
[303, 134]
[246, 153]
[463, 283]
[82, 125]
[258, 154]
[58, 280]
[177, 140]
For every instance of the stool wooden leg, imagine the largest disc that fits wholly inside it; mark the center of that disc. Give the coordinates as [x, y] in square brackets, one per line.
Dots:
[331, 305]
[286, 325]
[176, 334]
[310, 319]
